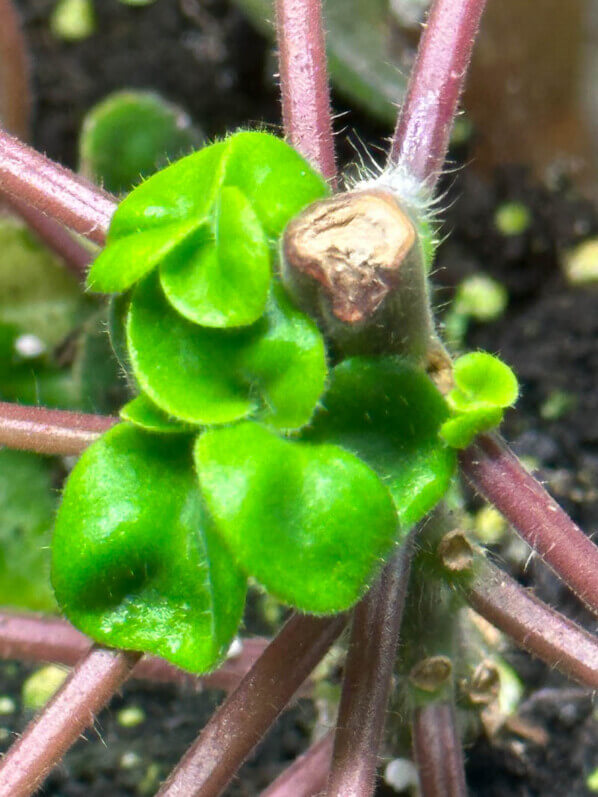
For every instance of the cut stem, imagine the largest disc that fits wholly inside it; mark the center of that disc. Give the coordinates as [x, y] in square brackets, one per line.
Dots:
[72, 709]
[54, 190]
[367, 679]
[304, 82]
[437, 749]
[26, 637]
[49, 431]
[532, 624]
[245, 716]
[497, 474]
[421, 137]
[307, 775]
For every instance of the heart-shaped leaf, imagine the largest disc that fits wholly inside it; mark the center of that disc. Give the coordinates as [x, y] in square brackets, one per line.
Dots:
[484, 386]
[276, 367]
[312, 523]
[206, 221]
[222, 281]
[387, 412]
[136, 564]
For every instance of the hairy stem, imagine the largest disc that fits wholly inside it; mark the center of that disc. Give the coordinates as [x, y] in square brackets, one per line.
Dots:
[49, 431]
[245, 716]
[72, 709]
[304, 82]
[306, 776]
[58, 239]
[497, 474]
[366, 683]
[437, 749]
[421, 137]
[532, 624]
[54, 190]
[15, 90]
[29, 637]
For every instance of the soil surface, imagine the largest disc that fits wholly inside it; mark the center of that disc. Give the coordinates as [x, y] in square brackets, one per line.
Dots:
[204, 55]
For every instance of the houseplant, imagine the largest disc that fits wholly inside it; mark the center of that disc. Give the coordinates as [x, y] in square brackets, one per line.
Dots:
[423, 712]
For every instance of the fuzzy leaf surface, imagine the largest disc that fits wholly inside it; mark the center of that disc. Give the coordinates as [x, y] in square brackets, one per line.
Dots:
[275, 368]
[222, 281]
[135, 562]
[312, 523]
[142, 412]
[388, 413]
[207, 221]
[484, 387]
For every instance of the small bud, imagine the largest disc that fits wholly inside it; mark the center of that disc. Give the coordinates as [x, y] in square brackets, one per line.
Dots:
[431, 674]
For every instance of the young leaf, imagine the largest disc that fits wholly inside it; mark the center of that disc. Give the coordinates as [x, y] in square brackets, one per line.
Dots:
[312, 523]
[389, 413]
[222, 281]
[177, 214]
[484, 386]
[129, 135]
[142, 412]
[276, 367]
[135, 562]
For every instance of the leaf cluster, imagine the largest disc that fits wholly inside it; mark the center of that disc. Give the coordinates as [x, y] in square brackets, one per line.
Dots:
[246, 451]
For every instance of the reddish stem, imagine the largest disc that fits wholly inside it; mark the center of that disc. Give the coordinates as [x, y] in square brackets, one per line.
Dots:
[304, 82]
[245, 716]
[27, 637]
[54, 190]
[72, 709]
[497, 474]
[437, 750]
[532, 624]
[49, 431]
[74, 255]
[15, 91]
[421, 137]
[367, 679]
[306, 776]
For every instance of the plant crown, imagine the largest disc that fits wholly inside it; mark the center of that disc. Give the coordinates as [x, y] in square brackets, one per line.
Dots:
[248, 450]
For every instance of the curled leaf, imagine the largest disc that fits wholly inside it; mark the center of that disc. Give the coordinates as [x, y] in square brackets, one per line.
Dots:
[312, 523]
[484, 386]
[135, 561]
[388, 413]
[207, 221]
[276, 368]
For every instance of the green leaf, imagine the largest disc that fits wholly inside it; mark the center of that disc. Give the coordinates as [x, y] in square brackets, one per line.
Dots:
[484, 386]
[222, 281]
[142, 412]
[388, 412]
[181, 218]
[459, 431]
[27, 506]
[129, 135]
[312, 523]
[482, 380]
[135, 561]
[276, 368]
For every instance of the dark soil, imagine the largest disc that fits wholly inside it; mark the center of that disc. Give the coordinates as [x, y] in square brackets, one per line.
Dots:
[204, 55]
